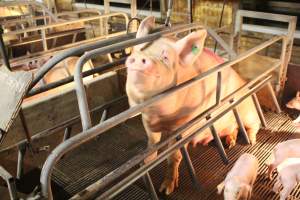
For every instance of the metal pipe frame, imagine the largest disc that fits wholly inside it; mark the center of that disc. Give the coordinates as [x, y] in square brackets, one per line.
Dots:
[29, 4]
[57, 50]
[286, 46]
[44, 28]
[58, 15]
[99, 129]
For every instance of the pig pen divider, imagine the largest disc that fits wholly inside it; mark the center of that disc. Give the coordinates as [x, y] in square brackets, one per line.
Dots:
[92, 132]
[49, 50]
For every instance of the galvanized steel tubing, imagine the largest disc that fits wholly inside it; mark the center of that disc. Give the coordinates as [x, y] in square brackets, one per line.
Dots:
[92, 132]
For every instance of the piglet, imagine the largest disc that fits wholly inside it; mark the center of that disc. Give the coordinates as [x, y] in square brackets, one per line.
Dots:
[288, 177]
[240, 179]
[283, 151]
[295, 102]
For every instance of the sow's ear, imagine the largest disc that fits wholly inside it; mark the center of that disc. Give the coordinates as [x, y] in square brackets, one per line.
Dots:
[191, 46]
[145, 27]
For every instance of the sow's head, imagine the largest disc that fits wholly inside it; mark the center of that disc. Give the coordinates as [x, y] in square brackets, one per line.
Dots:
[155, 67]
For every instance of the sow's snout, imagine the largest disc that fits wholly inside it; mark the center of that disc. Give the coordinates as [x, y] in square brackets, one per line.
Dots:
[139, 63]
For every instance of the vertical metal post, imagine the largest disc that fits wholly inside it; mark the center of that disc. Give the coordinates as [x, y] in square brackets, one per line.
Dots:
[259, 111]
[20, 165]
[241, 125]
[3, 51]
[103, 116]
[67, 133]
[12, 189]
[149, 184]
[219, 144]
[190, 9]
[219, 87]
[169, 13]
[189, 165]
[272, 93]
[45, 47]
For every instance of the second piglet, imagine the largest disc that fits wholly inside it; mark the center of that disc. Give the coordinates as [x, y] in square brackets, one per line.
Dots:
[288, 177]
[283, 151]
[240, 179]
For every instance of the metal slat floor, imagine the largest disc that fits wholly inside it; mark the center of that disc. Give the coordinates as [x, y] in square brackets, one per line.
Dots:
[99, 157]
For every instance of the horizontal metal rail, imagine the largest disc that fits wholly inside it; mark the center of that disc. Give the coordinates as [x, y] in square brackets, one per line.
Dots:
[64, 23]
[106, 125]
[69, 79]
[58, 15]
[53, 51]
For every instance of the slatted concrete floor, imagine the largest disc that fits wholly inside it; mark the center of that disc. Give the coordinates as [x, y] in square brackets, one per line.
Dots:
[92, 161]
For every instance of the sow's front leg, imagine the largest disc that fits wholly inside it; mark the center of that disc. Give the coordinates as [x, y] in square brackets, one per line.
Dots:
[171, 179]
[172, 176]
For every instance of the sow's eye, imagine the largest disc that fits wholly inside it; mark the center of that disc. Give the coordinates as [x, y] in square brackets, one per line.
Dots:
[165, 57]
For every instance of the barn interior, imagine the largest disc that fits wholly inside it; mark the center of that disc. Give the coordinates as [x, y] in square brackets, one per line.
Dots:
[67, 130]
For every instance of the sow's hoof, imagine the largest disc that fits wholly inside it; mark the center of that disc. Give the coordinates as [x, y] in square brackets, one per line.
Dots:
[169, 185]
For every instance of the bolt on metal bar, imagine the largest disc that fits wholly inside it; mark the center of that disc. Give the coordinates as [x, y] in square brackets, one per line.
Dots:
[259, 111]
[241, 125]
[120, 186]
[97, 130]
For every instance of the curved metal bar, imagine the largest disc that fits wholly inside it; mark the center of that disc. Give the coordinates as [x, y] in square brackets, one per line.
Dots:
[74, 52]
[91, 133]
